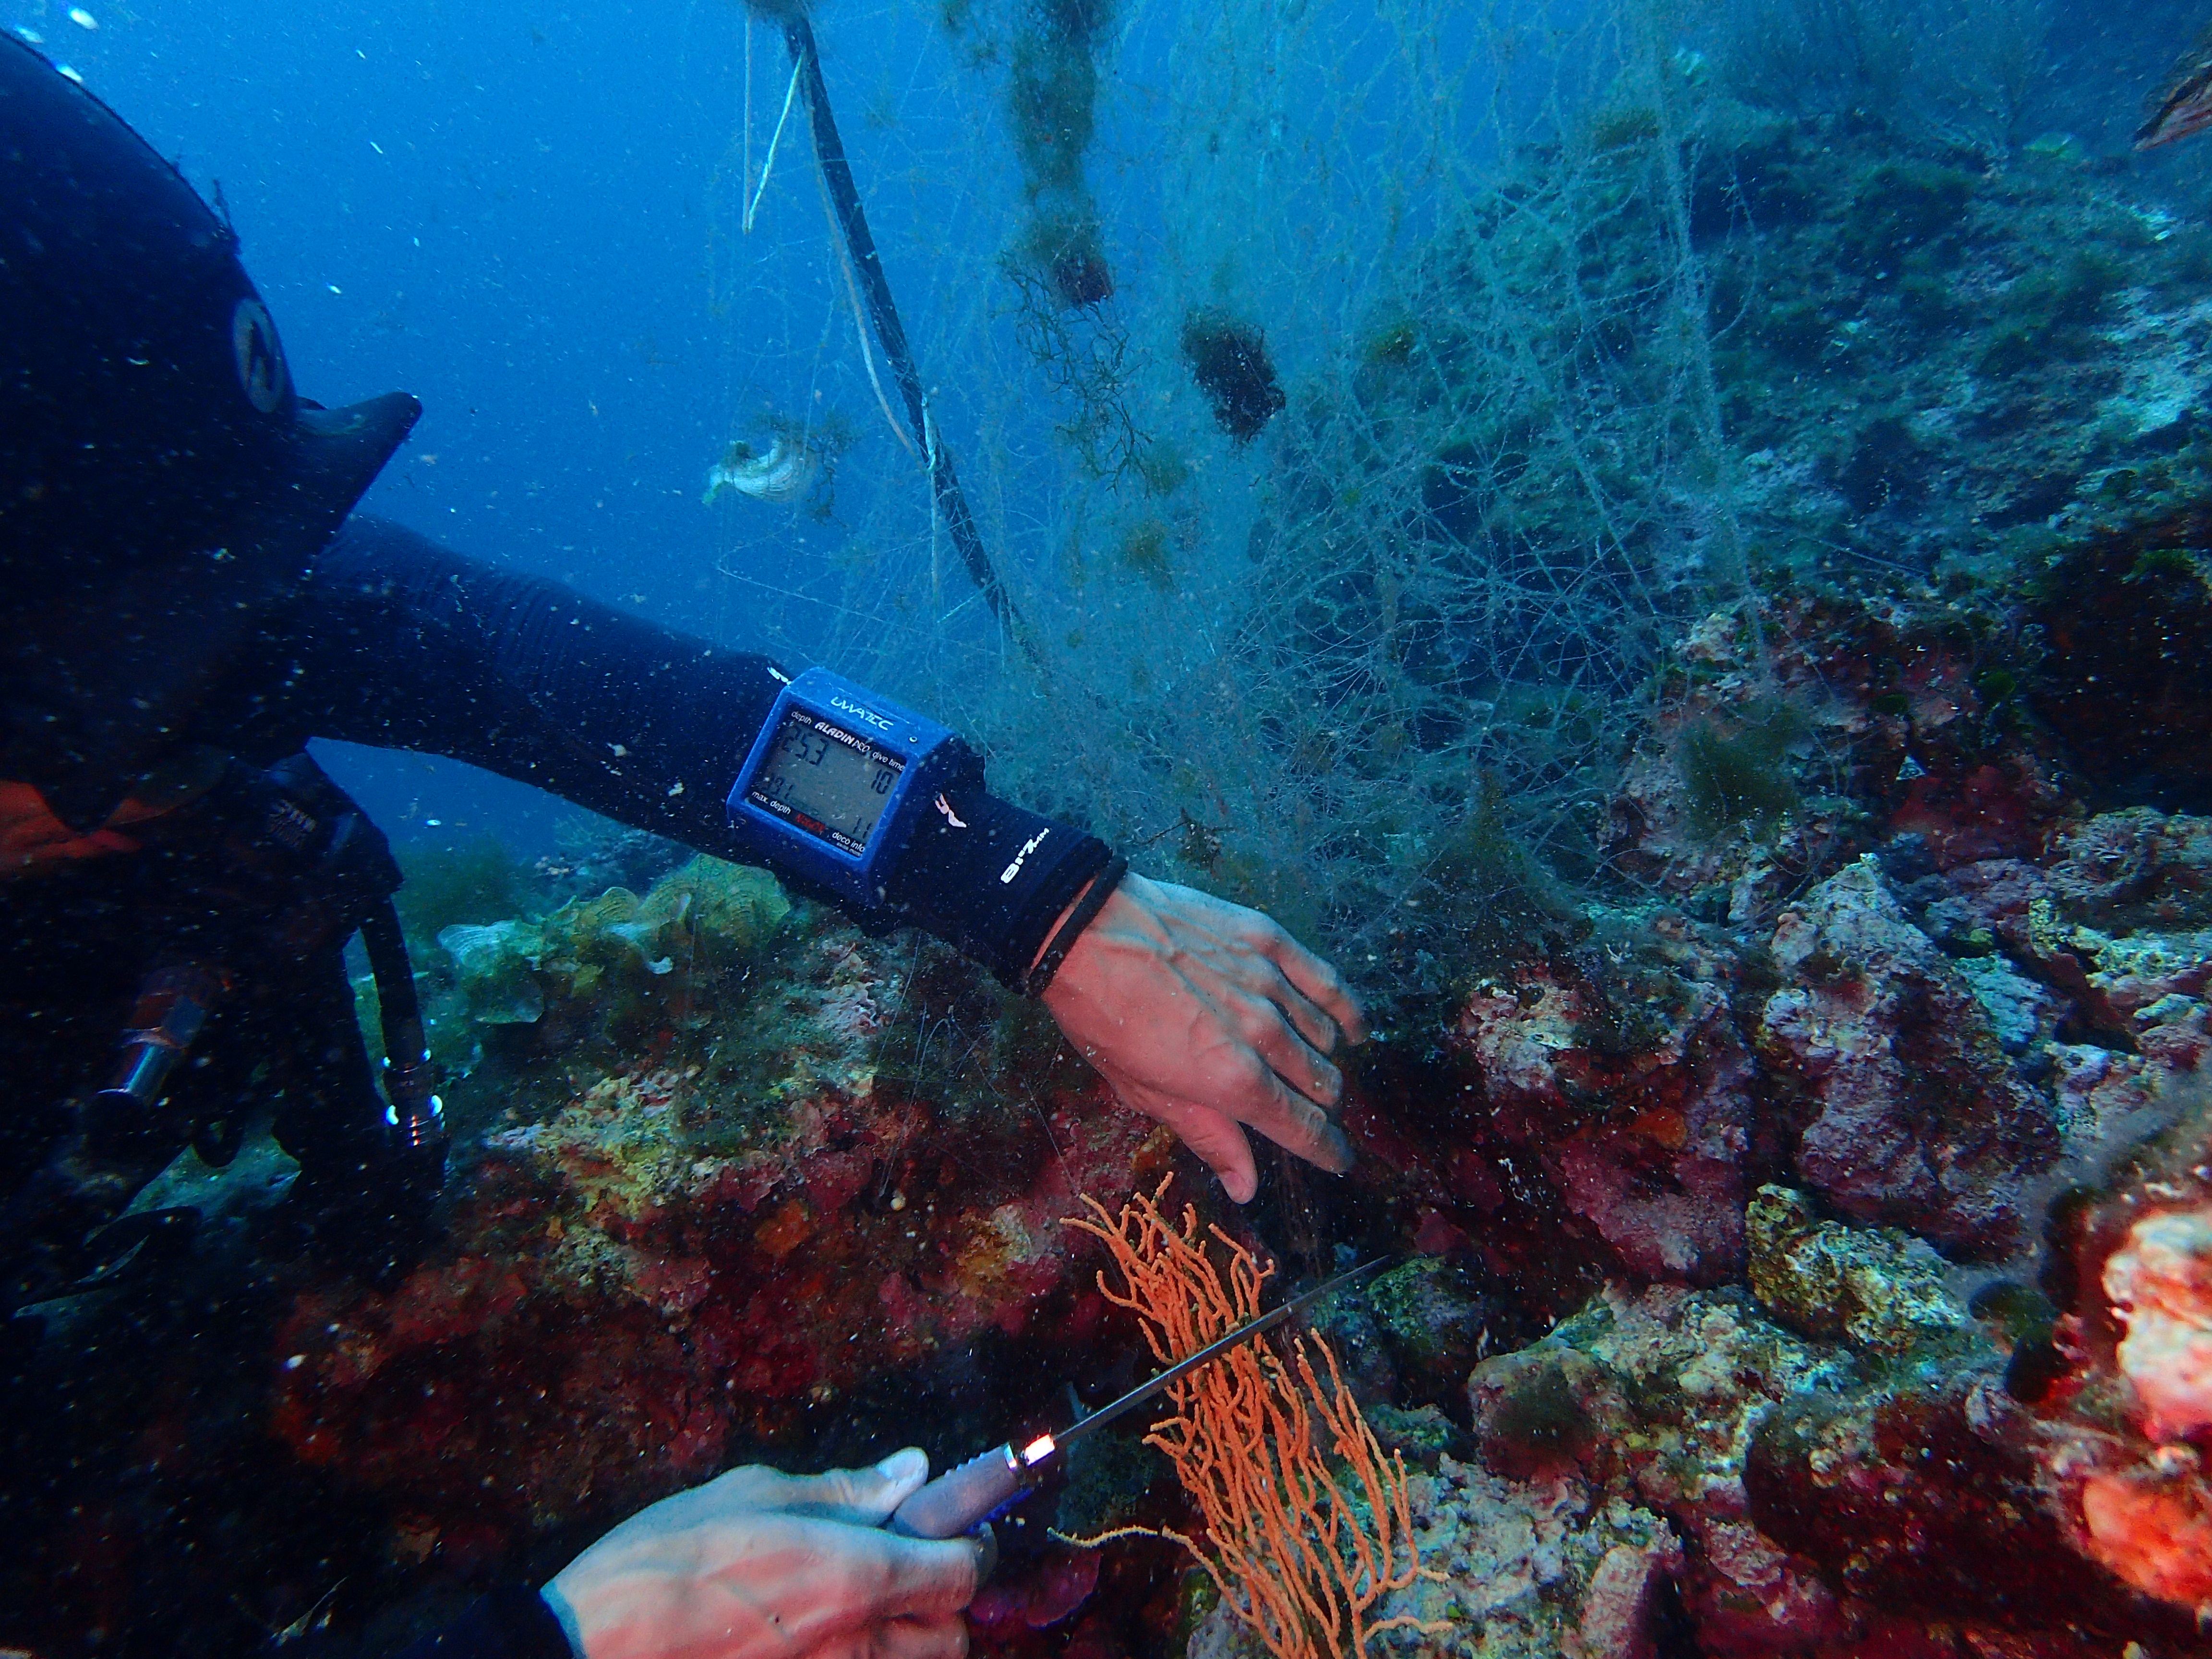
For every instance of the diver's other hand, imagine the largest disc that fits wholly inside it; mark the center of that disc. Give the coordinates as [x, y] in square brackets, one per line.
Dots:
[755, 1563]
[1206, 1015]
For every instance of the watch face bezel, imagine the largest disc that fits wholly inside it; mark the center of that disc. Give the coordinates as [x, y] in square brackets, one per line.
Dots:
[867, 725]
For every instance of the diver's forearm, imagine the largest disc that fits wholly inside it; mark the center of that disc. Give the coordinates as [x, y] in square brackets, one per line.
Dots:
[405, 644]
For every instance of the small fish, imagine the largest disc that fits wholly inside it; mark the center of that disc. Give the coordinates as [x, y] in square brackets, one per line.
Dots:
[2184, 106]
[786, 473]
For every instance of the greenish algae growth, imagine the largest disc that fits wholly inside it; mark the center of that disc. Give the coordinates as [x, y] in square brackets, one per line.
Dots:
[1734, 772]
[1876, 1288]
[477, 881]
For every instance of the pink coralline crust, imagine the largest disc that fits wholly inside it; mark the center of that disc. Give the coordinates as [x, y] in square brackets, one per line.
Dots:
[2157, 1535]
[1752, 1598]
[612, 1310]
[2159, 1283]
[1914, 1118]
[1888, 686]
[1623, 1592]
[1648, 1147]
[1989, 811]
[2181, 1045]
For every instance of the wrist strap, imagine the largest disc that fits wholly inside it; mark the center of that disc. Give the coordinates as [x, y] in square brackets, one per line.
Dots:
[1080, 917]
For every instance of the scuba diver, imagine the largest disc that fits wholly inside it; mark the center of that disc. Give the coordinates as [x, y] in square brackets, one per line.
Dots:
[189, 601]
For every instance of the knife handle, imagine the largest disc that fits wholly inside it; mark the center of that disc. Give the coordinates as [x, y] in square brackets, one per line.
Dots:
[961, 1499]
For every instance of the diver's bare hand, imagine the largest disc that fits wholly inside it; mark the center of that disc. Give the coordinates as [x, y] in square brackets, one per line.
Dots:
[1206, 1015]
[756, 1563]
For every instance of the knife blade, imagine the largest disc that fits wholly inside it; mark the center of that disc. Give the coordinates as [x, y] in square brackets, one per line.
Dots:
[963, 1498]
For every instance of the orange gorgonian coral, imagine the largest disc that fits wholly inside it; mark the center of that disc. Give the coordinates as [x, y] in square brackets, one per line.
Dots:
[1301, 1550]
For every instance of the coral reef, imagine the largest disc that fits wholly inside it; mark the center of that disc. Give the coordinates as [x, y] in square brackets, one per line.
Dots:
[1306, 1518]
[1726, 1138]
[726, 1295]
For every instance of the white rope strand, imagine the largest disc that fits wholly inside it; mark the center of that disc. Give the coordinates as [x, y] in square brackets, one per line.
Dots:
[767, 168]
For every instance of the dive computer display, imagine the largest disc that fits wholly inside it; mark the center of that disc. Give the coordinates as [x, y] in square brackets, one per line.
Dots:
[833, 781]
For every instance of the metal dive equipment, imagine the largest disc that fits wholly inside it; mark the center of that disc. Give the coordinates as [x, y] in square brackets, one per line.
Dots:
[175, 1001]
[868, 266]
[304, 869]
[963, 1498]
[415, 1114]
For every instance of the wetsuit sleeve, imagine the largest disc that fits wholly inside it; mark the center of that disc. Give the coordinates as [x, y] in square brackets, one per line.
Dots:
[400, 643]
[507, 1623]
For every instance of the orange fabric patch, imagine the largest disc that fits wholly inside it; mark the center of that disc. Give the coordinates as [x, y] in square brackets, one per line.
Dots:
[32, 839]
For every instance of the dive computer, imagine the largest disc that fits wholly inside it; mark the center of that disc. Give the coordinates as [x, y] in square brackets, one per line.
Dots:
[837, 779]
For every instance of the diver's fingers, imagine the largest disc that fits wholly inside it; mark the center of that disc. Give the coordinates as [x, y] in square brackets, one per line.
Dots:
[861, 1497]
[922, 1579]
[833, 1580]
[1252, 983]
[1267, 1024]
[750, 1487]
[854, 1496]
[901, 1638]
[1233, 1079]
[1213, 1136]
[1316, 998]
[1314, 983]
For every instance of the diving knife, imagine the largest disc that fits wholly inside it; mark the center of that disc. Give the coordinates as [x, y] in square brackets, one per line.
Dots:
[962, 1499]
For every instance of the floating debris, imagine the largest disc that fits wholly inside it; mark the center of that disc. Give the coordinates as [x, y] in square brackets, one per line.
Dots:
[1229, 360]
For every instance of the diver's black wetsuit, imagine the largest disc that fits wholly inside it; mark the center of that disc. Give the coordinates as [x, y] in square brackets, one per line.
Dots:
[401, 644]
[396, 642]
[508, 1624]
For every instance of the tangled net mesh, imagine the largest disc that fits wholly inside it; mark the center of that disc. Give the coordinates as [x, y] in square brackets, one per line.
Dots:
[1375, 667]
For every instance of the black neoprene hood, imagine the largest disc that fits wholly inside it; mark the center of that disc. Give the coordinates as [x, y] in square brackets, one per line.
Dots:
[161, 484]
[140, 368]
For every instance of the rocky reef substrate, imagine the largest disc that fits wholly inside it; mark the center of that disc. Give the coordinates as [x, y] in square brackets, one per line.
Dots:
[1811, 1256]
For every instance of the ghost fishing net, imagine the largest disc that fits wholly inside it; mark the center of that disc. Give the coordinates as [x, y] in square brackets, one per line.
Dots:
[1332, 386]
